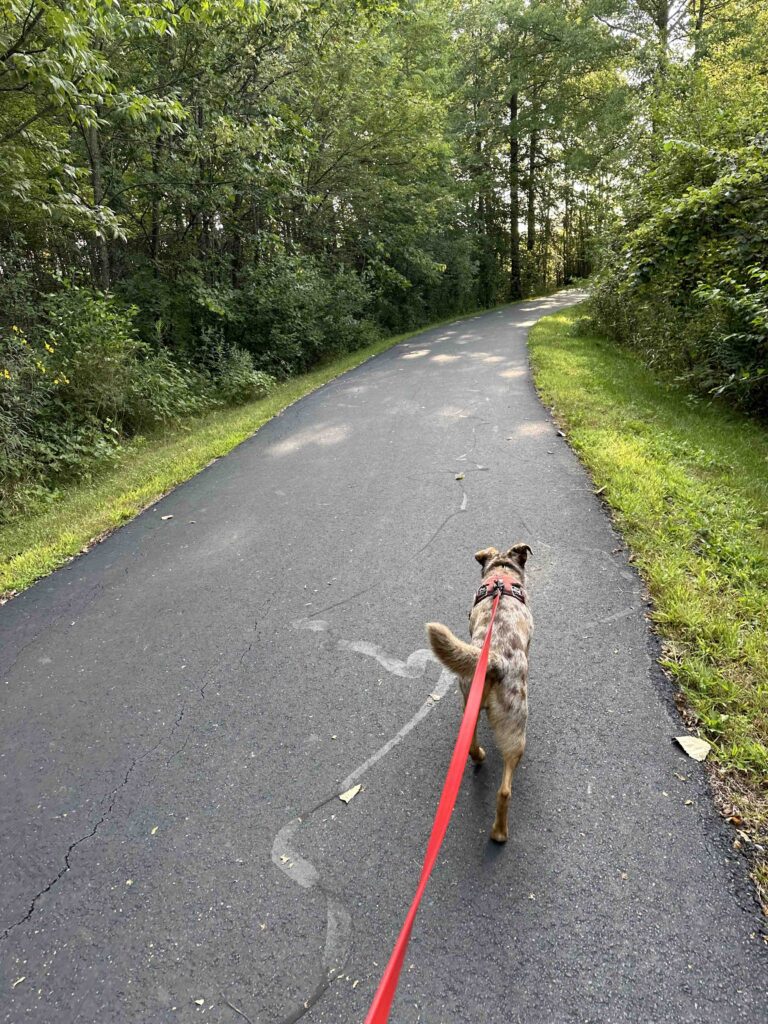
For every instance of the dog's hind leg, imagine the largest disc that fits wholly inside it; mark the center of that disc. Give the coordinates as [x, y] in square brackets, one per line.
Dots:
[500, 830]
[476, 752]
[508, 714]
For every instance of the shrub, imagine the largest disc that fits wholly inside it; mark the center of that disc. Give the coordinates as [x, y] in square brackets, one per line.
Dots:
[85, 381]
[25, 395]
[162, 391]
[736, 341]
[94, 351]
[237, 380]
[688, 284]
[40, 441]
[293, 313]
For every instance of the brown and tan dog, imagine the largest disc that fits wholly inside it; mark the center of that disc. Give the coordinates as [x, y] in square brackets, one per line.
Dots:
[505, 696]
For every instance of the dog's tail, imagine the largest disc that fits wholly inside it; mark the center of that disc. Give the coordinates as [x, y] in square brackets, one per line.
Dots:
[460, 657]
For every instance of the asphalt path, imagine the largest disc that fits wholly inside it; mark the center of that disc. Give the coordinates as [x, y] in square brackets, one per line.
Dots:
[183, 705]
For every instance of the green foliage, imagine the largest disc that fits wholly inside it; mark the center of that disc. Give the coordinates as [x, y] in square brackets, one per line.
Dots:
[292, 314]
[70, 393]
[689, 285]
[685, 276]
[196, 198]
[93, 353]
[231, 375]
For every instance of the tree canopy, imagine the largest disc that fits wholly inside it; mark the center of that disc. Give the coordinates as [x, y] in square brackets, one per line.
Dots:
[229, 190]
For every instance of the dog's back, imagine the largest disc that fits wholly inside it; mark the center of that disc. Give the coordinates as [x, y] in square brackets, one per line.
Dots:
[505, 693]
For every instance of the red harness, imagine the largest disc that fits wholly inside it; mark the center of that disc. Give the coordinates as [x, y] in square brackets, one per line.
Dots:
[504, 585]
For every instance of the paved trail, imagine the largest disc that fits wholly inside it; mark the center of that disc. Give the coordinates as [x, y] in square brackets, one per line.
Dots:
[182, 705]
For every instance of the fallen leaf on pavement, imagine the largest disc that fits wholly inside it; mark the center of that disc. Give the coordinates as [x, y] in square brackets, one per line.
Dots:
[694, 747]
[199, 1002]
[152, 832]
[436, 696]
[350, 793]
[19, 981]
[459, 476]
[166, 517]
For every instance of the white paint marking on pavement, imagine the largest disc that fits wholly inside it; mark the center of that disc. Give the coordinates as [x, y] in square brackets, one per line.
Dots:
[413, 668]
[299, 869]
[337, 935]
[313, 625]
[443, 686]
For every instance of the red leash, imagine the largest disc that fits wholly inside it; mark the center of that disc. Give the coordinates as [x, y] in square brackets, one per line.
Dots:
[379, 1011]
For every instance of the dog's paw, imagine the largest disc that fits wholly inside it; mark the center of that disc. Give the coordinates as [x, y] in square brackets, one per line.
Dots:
[498, 836]
[478, 756]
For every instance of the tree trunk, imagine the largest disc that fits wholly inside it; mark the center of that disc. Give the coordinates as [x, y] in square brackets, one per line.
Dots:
[698, 11]
[567, 237]
[204, 238]
[530, 240]
[101, 260]
[545, 246]
[515, 282]
[662, 23]
[154, 239]
[237, 241]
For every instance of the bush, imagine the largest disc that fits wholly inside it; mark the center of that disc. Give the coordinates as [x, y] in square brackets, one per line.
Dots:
[237, 380]
[688, 284]
[736, 340]
[162, 391]
[85, 381]
[40, 441]
[94, 351]
[293, 313]
[26, 392]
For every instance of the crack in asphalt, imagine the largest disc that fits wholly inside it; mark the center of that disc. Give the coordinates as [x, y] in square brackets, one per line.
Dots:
[112, 797]
[346, 600]
[441, 527]
[86, 600]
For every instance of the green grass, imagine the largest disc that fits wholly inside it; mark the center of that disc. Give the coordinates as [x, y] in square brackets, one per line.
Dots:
[688, 485]
[33, 545]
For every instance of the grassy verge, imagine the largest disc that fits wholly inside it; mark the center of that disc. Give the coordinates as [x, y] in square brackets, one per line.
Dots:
[37, 543]
[688, 485]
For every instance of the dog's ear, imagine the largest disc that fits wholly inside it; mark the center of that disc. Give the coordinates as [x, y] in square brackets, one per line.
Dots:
[519, 552]
[485, 555]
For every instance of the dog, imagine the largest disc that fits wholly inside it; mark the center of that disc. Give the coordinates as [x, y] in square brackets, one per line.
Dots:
[505, 696]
